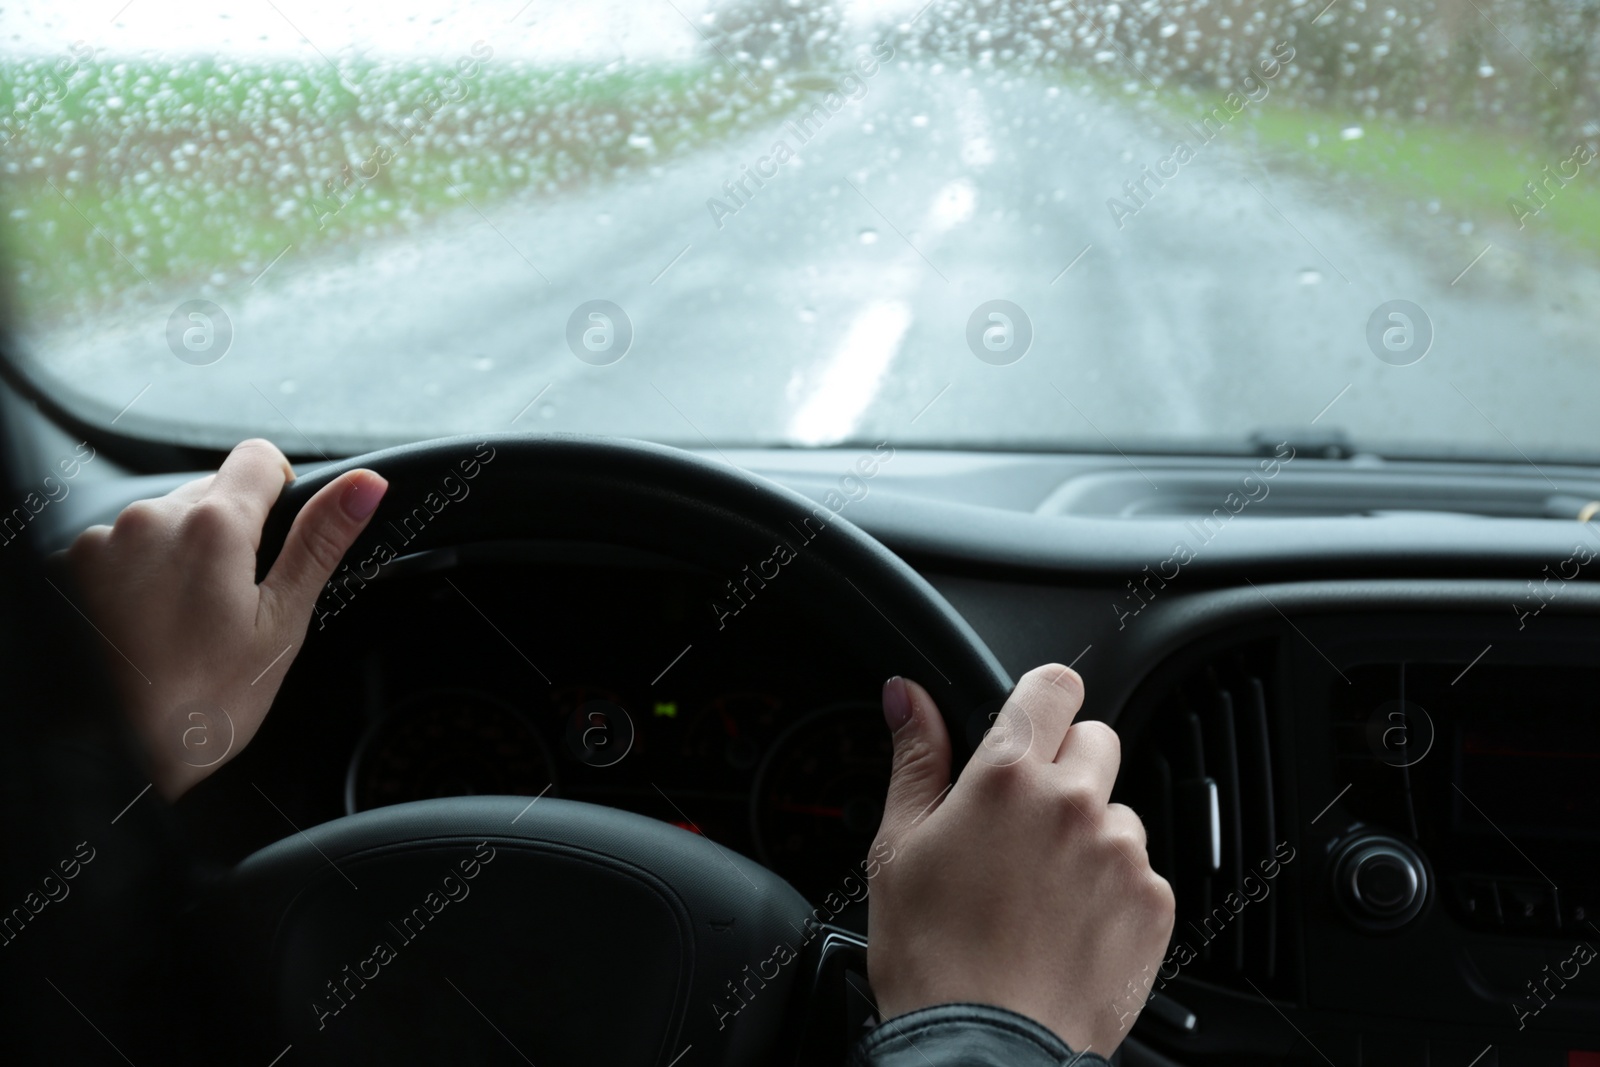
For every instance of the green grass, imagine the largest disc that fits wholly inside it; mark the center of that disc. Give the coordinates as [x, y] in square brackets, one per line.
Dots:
[204, 171]
[1470, 170]
[1470, 166]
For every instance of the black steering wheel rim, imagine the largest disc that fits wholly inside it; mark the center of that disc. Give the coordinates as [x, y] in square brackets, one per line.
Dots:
[294, 905]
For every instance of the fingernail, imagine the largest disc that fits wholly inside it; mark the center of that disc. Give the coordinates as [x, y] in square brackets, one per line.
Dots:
[896, 703]
[361, 499]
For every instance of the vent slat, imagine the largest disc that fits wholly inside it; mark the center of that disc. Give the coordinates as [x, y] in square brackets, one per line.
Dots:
[1261, 820]
[1160, 826]
[1222, 759]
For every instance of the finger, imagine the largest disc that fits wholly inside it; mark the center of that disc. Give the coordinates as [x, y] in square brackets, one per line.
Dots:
[921, 773]
[1035, 720]
[320, 536]
[250, 479]
[1090, 757]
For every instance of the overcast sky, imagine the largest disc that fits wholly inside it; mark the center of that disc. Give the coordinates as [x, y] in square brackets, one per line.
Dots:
[542, 29]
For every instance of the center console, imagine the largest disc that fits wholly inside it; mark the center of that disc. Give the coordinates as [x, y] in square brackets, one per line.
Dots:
[1427, 789]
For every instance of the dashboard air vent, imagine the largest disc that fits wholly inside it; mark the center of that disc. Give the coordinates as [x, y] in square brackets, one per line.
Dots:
[1210, 497]
[1201, 774]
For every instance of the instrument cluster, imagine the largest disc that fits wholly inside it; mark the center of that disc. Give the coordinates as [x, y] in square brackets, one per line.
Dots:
[800, 789]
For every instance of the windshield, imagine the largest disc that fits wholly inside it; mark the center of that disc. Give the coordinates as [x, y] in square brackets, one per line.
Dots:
[988, 223]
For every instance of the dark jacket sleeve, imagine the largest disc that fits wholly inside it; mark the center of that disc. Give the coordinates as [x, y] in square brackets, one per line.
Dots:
[965, 1035]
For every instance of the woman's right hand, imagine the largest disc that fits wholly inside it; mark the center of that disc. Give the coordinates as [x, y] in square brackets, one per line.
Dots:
[1023, 887]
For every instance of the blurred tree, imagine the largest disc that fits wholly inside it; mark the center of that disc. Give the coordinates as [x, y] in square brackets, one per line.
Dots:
[1564, 33]
[776, 35]
[1513, 64]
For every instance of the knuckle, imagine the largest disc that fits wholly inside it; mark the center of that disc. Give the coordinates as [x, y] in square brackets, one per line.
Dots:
[1001, 779]
[913, 763]
[1160, 899]
[1127, 841]
[258, 451]
[1007, 743]
[1079, 798]
[258, 444]
[997, 789]
[90, 540]
[913, 750]
[1058, 678]
[208, 517]
[140, 518]
[1122, 811]
[1038, 674]
[324, 547]
[1077, 807]
[87, 546]
[208, 522]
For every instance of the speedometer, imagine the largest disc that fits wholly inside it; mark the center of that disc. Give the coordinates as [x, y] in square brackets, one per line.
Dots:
[819, 795]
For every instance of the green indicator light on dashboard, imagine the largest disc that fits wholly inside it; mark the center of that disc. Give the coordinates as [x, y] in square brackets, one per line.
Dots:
[666, 709]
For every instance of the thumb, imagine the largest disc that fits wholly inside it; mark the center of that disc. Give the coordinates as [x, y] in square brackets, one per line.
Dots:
[921, 772]
[321, 534]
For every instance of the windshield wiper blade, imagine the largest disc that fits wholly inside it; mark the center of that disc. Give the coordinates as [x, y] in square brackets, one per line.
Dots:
[1318, 442]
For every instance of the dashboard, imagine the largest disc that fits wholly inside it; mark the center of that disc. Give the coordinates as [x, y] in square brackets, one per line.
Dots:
[1361, 722]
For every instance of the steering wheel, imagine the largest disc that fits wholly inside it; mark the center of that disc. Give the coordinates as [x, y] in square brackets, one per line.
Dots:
[499, 930]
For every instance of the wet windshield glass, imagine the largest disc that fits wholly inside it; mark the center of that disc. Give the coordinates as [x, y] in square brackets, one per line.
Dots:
[1056, 223]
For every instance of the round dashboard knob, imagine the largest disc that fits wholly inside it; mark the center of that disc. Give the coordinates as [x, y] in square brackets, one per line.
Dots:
[1381, 882]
